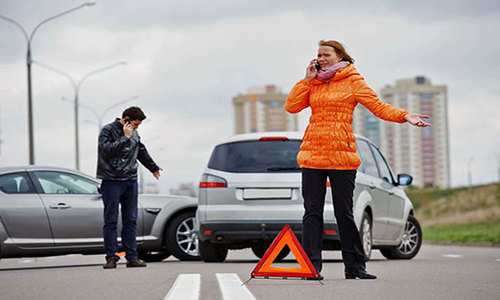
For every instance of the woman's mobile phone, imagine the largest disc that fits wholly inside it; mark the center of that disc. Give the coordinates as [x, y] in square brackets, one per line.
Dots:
[317, 66]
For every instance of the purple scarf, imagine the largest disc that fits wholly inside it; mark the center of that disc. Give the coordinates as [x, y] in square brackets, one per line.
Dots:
[327, 73]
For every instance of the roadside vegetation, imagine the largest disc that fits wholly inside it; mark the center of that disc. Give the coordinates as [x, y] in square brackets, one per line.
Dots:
[459, 215]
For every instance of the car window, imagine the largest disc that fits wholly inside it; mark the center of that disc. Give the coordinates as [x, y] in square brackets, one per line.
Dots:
[383, 168]
[16, 183]
[368, 165]
[256, 157]
[54, 182]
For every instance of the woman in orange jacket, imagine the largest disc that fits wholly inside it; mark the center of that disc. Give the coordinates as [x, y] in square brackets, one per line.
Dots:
[332, 88]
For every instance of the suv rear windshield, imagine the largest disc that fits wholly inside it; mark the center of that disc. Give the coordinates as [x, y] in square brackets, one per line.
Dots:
[256, 157]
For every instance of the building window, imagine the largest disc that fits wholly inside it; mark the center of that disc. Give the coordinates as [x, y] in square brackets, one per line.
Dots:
[275, 104]
[426, 96]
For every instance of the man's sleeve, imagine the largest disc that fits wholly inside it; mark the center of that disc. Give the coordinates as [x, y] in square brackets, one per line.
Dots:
[107, 144]
[146, 159]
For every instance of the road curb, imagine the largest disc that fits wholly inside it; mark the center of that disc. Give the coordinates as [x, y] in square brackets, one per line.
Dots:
[469, 244]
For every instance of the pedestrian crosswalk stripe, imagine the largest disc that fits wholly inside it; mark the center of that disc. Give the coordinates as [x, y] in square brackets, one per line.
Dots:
[186, 287]
[231, 288]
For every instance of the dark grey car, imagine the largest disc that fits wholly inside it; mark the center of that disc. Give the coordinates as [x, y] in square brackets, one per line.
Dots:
[51, 211]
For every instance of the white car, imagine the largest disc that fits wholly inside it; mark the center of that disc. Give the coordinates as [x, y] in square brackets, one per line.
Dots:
[251, 188]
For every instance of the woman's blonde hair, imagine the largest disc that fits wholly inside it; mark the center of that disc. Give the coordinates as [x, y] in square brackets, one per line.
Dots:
[339, 49]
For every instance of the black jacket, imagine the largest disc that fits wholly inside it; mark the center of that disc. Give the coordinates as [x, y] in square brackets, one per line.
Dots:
[117, 155]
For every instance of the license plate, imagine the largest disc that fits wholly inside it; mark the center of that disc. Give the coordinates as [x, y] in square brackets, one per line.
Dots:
[252, 194]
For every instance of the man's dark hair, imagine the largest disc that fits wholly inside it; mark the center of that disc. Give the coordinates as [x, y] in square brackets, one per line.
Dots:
[134, 113]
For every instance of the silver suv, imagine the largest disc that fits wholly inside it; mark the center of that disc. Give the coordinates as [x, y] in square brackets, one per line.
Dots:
[252, 188]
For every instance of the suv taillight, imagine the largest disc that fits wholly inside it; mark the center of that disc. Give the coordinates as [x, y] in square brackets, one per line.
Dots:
[211, 181]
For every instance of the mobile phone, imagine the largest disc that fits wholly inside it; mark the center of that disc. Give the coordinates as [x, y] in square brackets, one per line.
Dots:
[317, 66]
[127, 121]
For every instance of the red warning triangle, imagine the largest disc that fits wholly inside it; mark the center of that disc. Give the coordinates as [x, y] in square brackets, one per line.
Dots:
[285, 238]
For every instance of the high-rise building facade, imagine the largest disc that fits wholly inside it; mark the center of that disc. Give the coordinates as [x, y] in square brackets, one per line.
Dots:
[262, 109]
[366, 124]
[420, 152]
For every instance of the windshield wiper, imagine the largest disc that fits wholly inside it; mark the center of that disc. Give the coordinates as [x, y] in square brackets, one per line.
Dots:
[283, 168]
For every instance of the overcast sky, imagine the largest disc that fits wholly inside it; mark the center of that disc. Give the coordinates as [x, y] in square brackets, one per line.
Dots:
[187, 59]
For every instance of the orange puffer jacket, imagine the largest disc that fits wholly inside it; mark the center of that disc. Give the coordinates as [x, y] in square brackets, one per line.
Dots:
[329, 142]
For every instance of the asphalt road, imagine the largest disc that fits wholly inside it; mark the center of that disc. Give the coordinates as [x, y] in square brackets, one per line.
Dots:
[438, 272]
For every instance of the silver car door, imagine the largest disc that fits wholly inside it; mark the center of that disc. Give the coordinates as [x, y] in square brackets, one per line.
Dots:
[74, 207]
[395, 207]
[370, 182]
[22, 212]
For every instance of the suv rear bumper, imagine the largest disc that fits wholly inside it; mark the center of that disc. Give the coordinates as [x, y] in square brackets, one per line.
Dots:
[227, 232]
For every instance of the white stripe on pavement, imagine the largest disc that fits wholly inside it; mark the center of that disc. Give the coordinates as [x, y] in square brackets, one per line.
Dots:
[231, 288]
[185, 287]
[452, 255]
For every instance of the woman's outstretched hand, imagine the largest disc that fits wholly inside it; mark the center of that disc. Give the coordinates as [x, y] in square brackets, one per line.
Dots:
[415, 120]
[311, 71]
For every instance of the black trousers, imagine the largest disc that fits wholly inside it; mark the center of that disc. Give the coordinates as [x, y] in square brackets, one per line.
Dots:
[314, 191]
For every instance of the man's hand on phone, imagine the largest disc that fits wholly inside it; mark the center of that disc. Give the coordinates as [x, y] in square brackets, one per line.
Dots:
[156, 174]
[128, 129]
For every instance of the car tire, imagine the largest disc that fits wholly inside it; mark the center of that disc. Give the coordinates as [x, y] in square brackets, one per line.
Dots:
[259, 249]
[365, 233]
[412, 240]
[152, 256]
[212, 252]
[181, 238]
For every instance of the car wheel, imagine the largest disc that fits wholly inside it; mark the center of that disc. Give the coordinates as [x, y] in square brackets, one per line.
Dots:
[365, 233]
[151, 256]
[412, 240]
[212, 252]
[181, 238]
[259, 249]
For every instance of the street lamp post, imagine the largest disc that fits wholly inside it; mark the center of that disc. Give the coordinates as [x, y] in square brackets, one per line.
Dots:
[29, 38]
[469, 174]
[76, 87]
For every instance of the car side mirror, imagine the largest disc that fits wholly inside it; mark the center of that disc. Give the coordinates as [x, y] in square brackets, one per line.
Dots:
[404, 179]
[99, 189]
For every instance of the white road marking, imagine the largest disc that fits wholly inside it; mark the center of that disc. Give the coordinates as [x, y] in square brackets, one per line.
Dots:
[498, 259]
[452, 255]
[185, 287]
[231, 288]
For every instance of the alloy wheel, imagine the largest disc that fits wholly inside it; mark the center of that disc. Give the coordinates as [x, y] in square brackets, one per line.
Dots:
[367, 236]
[410, 238]
[186, 237]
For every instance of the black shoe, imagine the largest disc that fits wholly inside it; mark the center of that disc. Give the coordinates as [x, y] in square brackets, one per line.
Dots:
[320, 277]
[361, 274]
[110, 264]
[136, 263]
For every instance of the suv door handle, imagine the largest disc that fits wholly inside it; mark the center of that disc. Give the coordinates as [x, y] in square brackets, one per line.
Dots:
[60, 206]
[390, 193]
[371, 185]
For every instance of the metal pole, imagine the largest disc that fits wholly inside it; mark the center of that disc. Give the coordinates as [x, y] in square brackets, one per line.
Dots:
[469, 175]
[30, 110]
[77, 105]
[28, 64]
[77, 146]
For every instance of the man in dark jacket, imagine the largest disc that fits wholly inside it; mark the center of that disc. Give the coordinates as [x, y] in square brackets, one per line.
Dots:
[119, 149]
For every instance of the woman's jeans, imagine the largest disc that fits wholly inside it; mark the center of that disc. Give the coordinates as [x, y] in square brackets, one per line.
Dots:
[314, 191]
[115, 193]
